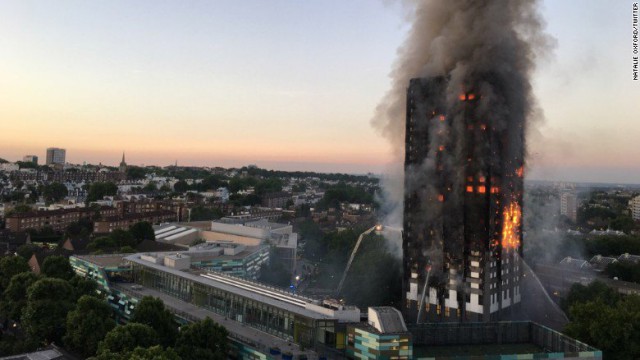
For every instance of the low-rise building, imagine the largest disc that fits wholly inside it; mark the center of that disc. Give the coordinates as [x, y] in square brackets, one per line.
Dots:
[277, 200]
[108, 224]
[58, 220]
[384, 336]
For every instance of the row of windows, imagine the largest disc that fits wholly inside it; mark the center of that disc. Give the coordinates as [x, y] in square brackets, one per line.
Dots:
[270, 319]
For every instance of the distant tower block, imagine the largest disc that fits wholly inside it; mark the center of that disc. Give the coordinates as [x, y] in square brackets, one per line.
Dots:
[462, 210]
[56, 156]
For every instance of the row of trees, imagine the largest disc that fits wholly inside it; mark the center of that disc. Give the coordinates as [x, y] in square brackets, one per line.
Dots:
[36, 306]
[601, 317]
[123, 240]
[152, 333]
[58, 306]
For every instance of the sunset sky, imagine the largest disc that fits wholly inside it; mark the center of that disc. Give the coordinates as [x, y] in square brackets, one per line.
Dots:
[282, 84]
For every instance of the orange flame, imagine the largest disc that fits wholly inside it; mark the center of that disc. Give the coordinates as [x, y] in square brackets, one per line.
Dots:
[471, 96]
[520, 171]
[462, 97]
[510, 225]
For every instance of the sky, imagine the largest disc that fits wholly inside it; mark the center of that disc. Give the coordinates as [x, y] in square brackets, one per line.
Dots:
[281, 84]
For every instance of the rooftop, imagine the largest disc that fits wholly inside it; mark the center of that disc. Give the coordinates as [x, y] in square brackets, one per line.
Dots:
[387, 320]
[279, 298]
[105, 261]
[254, 337]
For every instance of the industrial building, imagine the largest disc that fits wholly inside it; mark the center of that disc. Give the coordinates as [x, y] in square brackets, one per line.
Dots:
[462, 211]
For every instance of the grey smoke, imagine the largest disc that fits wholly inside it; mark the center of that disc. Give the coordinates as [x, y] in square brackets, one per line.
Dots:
[462, 40]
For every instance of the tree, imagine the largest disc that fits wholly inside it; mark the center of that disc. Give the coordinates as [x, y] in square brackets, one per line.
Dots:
[181, 186]
[199, 213]
[27, 250]
[140, 353]
[87, 325]
[151, 311]
[26, 165]
[19, 209]
[142, 231]
[623, 223]
[151, 187]
[123, 238]
[10, 266]
[135, 173]
[83, 286]
[268, 186]
[203, 340]
[126, 338]
[14, 298]
[98, 190]
[54, 192]
[79, 229]
[48, 302]
[102, 243]
[57, 267]
[597, 290]
[615, 329]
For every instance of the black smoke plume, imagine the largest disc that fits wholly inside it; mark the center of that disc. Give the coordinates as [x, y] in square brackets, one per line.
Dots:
[477, 43]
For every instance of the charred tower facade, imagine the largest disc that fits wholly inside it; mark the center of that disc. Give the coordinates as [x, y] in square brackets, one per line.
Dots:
[463, 195]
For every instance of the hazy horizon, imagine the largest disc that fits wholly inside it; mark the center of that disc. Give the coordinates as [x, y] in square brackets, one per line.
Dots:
[283, 85]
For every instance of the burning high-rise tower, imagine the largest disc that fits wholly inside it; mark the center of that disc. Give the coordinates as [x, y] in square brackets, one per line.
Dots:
[463, 197]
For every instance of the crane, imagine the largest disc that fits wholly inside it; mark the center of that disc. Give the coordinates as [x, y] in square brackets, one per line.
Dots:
[353, 255]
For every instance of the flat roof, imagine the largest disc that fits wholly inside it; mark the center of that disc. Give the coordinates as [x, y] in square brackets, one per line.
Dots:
[475, 350]
[237, 329]
[250, 290]
[106, 261]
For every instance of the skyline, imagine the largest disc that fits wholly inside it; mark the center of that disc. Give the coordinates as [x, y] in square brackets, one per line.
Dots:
[281, 85]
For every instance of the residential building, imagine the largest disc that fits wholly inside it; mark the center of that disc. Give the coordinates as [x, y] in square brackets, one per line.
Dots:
[31, 159]
[9, 167]
[634, 206]
[569, 205]
[108, 224]
[56, 156]
[10, 241]
[58, 220]
[277, 200]
[462, 211]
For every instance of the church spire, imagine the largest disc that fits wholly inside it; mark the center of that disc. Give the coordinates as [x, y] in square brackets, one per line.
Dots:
[123, 165]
